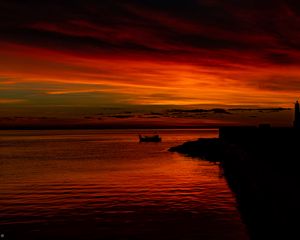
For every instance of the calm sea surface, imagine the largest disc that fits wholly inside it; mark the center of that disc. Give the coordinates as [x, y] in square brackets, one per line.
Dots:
[105, 185]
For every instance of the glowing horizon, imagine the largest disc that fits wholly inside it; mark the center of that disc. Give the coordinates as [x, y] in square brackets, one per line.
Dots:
[140, 54]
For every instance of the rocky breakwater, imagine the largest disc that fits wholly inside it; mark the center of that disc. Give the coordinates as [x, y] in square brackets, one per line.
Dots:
[262, 169]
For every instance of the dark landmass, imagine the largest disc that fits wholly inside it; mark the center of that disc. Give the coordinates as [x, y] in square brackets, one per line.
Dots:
[261, 109]
[261, 166]
[210, 149]
[214, 110]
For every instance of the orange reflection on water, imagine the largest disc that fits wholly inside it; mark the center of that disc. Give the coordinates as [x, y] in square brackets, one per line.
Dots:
[110, 185]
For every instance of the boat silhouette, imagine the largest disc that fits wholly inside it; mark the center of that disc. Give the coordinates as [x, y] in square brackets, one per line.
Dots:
[154, 138]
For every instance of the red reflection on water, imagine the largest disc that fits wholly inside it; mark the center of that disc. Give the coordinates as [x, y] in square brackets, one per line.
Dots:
[110, 185]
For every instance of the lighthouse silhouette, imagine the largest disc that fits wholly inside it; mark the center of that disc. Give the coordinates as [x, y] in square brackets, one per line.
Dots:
[297, 115]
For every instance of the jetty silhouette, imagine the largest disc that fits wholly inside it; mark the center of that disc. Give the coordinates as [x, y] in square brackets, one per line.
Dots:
[261, 165]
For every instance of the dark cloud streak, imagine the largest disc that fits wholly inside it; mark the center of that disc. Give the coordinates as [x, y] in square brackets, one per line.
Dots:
[158, 28]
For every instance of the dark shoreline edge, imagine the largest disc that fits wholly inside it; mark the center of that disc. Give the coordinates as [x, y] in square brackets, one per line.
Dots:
[209, 149]
[264, 177]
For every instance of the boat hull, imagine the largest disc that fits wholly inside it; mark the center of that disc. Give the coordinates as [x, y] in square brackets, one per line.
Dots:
[155, 138]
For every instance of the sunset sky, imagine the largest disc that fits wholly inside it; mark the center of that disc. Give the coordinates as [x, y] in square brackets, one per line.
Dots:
[150, 61]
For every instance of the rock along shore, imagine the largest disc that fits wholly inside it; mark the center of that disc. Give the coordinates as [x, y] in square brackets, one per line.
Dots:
[264, 176]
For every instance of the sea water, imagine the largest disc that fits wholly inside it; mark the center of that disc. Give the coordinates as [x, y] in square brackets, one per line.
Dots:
[104, 184]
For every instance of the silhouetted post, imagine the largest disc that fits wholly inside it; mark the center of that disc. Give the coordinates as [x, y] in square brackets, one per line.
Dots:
[297, 115]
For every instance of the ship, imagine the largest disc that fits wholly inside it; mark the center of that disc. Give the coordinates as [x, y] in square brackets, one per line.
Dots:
[154, 138]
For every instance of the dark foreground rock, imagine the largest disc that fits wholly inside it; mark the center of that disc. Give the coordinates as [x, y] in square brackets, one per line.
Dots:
[264, 175]
[210, 149]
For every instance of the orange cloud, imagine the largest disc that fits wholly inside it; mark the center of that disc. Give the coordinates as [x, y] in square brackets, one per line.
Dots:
[8, 101]
[139, 53]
